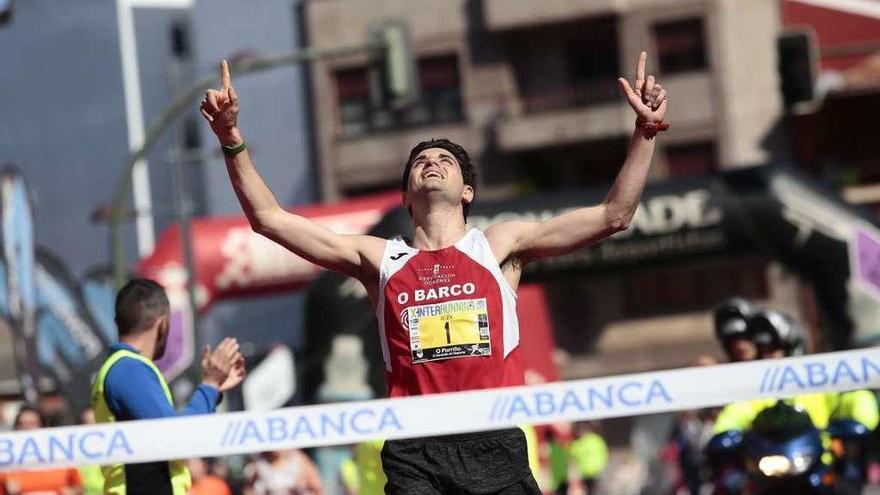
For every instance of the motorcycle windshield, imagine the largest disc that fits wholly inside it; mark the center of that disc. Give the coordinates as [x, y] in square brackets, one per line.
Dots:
[782, 422]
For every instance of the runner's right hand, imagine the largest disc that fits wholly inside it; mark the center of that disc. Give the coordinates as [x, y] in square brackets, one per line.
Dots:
[220, 109]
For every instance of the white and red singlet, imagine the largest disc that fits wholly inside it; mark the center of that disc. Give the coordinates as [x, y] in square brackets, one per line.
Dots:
[447, 319]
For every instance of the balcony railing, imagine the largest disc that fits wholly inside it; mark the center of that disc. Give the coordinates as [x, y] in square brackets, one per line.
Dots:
[582, 95]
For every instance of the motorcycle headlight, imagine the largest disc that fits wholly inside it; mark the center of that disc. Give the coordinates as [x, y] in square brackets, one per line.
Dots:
[801, 463]
[775, 465]
[779, 465]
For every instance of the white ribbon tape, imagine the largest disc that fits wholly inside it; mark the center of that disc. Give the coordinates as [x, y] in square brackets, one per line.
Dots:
[353, 422]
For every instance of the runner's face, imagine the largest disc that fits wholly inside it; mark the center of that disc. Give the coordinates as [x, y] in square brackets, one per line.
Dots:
[436, 169]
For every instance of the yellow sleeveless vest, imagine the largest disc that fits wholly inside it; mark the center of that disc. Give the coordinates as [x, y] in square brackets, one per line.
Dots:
[114, 475]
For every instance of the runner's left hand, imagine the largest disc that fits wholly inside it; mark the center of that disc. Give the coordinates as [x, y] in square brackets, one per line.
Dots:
[646, 97]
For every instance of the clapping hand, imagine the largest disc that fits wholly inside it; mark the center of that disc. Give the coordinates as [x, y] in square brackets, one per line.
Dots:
[223, 368]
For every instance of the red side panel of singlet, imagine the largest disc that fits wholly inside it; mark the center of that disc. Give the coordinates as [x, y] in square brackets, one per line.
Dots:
[423, 279]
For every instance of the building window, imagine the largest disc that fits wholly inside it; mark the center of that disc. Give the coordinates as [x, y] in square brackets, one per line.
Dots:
[592, 55]
[691, 159]
[439, 99]
[353, 93]
[693, 286]
[680, 45]
[192, 133]
[193, 166]
[566, 65]
[440, 93]
[577, 164]
[180, 42]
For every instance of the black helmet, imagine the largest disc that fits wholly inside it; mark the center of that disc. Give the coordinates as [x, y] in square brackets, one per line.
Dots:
[731, 318]
[776, 329]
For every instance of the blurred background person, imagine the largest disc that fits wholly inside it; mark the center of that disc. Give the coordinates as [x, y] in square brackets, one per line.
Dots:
[4, 425]
[203, 481]
[283, 472]
[849, 416]
[775, 335]
[559, 437]
[731, 317]
[363, 474]
[587, 458]
[92, 477]
[691, 433]
[62, 481]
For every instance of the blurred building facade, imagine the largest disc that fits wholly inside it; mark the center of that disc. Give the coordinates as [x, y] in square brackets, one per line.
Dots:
[831, 131]
[64, 127]
[72, 149]
[529, 88]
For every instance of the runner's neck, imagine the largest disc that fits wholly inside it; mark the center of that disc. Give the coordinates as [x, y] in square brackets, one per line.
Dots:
[439, 237]
[437, 225]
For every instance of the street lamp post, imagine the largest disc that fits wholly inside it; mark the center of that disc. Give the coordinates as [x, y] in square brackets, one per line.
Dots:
[389, 43]
[134, 119]
[179, 105]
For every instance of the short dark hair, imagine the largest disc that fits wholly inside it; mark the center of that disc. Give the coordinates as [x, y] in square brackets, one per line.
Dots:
[468, 172]
[27, 408]
[138, 305]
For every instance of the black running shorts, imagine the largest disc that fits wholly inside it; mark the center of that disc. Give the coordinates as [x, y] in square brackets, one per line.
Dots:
[493, 462]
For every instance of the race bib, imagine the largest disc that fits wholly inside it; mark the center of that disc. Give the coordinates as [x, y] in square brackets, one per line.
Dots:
[448, 330]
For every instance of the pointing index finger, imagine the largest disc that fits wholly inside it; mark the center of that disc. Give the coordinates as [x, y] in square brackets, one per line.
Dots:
[224, 75]
[640, 71]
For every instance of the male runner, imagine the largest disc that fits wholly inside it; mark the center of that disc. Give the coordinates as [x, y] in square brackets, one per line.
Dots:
[445, 300]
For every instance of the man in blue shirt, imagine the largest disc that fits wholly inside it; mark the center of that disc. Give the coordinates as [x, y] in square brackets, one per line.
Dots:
[129, 386]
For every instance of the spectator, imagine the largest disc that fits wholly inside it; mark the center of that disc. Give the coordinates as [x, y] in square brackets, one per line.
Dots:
[203, 482]
[588, 453]
[732, 317]
[64, 481]
[560, 437]
[689, 437]
[93, 479]
[4, 425]
[284, 472]
[362, 474]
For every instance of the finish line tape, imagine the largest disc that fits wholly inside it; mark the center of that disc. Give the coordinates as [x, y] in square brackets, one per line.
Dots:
[353, 422]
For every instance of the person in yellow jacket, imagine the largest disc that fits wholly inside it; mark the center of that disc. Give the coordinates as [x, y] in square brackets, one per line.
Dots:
[776, 335]
[588, 454]
[363, 474]
[579, 460]
[129, 386]
[823, 408]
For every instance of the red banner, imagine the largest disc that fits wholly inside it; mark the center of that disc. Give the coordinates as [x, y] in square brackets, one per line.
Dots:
[232, 260]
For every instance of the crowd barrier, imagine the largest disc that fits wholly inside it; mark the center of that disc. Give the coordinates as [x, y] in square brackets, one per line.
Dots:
[353, 422]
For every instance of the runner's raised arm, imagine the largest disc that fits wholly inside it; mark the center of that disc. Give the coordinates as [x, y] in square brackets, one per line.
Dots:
[314, 242]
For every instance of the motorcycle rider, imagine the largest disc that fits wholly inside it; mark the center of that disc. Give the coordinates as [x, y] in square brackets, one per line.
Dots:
[777, 335]
[731, 328]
